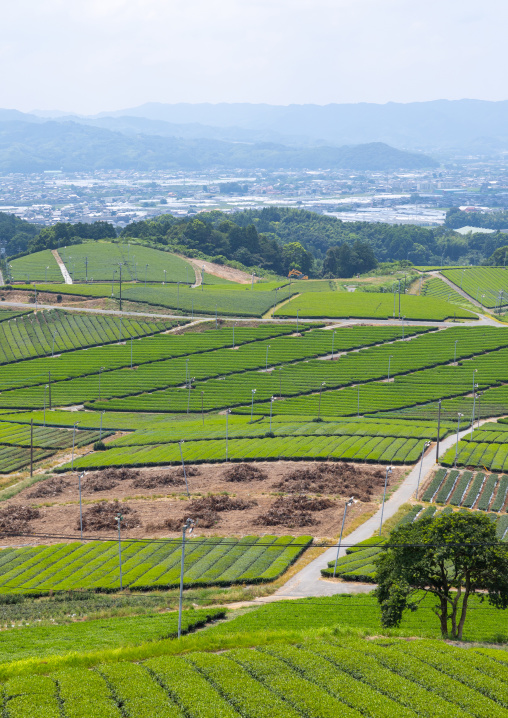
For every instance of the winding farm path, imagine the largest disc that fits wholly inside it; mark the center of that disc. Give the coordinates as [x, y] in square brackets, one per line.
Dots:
[309, 582]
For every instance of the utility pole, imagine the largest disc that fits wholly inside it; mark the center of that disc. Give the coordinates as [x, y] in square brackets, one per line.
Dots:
[349, 502]
[31, 447]
[80, 506]
[120, 266]
[119, 518]
[49, 385]
[425, 447]
[189, 525]
[438, 430]
[388, 471]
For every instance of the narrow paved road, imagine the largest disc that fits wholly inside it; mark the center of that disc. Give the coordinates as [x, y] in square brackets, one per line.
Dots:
[309, 582]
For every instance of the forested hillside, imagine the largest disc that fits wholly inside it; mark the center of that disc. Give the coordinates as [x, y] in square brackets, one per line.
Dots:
[33, 147]
[274, 239]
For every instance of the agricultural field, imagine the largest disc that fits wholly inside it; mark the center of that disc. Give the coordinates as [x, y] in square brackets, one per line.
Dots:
[16, 439]
[37, 641]
[242, 360]
[314, 381]
[488, 285]
[228, 499]
[233, 301]
[99, 261]
[486, 447]
[492, 402]
[147, 565]
[358, 611]
[47, 333]
[38, 267]
[147, 349]
[322, 676]
[260, 432]
[396, 450]
[439, 289]
[371, 305]
[6, 314]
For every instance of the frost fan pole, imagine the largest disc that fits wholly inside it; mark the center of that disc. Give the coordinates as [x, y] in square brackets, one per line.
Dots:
[438, 430]
[31, 447]
[189, 524]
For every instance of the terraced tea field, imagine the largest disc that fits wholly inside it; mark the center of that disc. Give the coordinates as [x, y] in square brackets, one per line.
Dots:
[488, 285]
[99, 261]
[362, 305]
[318, 677]
[439, 289]
[38, 267]
[147, 565]
[487, 447]
[47, 333]
[249, 350]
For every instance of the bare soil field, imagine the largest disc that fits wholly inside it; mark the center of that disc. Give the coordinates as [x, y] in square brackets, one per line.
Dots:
[284, 497]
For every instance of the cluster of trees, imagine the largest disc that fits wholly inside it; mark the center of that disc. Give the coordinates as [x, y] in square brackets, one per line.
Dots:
[278, 239]
[221, 237]
[456, 218]
[213, 234]
[15, 233]
[499, 257]
[65, 233]
[389, 242]
[345, 260]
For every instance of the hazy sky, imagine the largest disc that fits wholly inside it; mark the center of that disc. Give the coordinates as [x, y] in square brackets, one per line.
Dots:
[93, 55]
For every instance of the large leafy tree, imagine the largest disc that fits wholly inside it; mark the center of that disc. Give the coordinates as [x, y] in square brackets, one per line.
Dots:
[450, 557]
[294, 256]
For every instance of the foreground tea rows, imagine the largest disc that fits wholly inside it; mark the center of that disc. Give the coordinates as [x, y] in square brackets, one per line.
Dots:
[322, 678]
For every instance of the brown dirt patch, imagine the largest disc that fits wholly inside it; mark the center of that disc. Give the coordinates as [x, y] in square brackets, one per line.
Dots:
[293, 511]
[218, 503]
[155, 507]
[52, 487]
[107, 479]
[219, 270]
[333, 478]
[16, 518]
[154, 481]
[95, 482]
[206, 510]
[103, 516]
[244, 472]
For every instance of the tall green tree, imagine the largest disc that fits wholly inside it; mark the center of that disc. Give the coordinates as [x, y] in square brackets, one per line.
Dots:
[451, 557]
[295, 256]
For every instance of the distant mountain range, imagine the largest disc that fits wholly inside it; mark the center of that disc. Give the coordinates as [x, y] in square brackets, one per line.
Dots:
[29, 143]
[440, 126]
